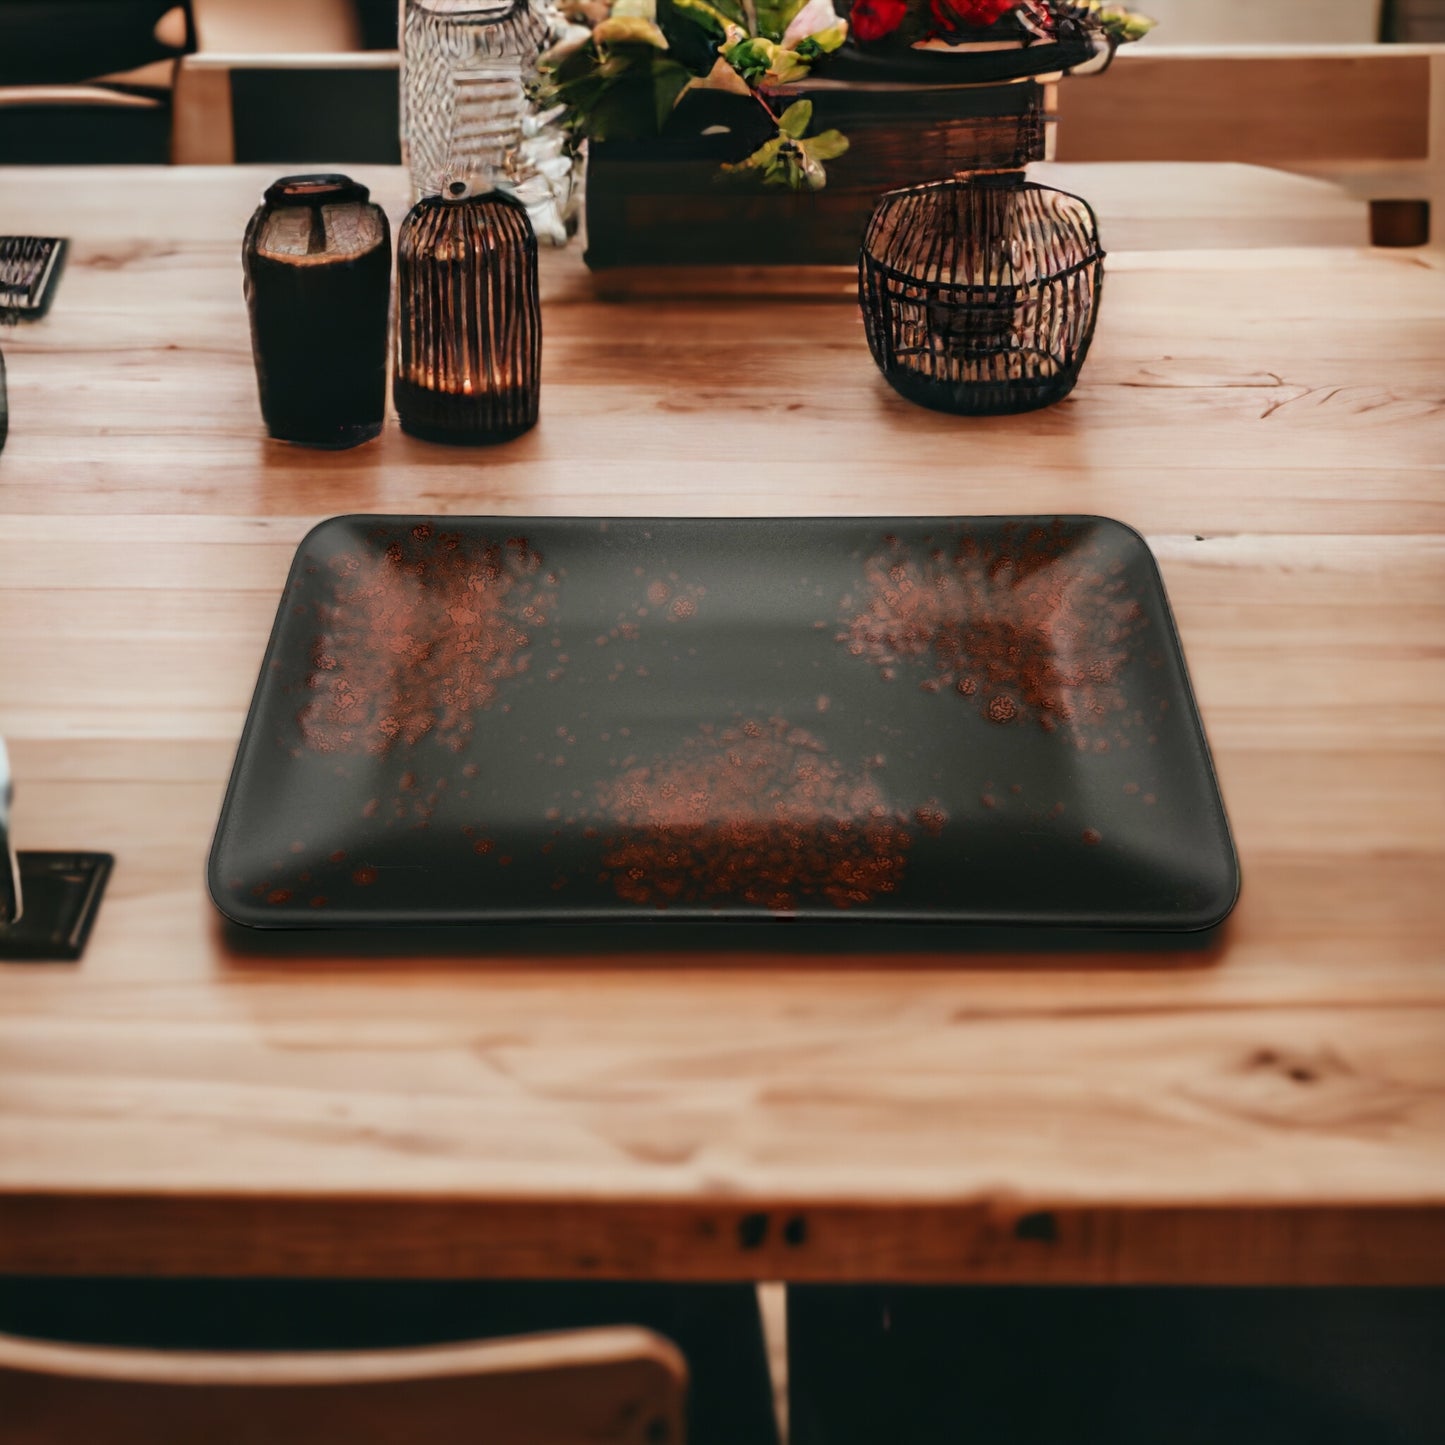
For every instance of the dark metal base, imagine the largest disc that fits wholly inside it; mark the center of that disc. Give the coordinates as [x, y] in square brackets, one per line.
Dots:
[982, 398]
[338, 438]
[449, 438]
[62, 893]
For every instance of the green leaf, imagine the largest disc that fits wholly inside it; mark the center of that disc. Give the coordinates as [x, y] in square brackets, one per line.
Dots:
[622, 112]
[707, 17]
[575, 69]
[826, 146]
[695, 30]
[669, 80]
[758, 57]
[774, 16]
[796, 119]
[825, 42]
[751, 58]
[722, 77]
[787, 66]
[759, 161]
[734, 10]
[1124, 25]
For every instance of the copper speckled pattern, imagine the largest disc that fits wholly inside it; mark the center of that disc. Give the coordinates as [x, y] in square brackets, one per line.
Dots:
[759, 813]
[414, 640]
[1035, 625]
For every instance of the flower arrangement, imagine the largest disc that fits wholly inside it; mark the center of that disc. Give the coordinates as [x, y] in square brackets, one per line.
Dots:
[624, 66]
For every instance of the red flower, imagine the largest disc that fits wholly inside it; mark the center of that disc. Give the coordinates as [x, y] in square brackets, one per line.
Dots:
[873, 19]
[950, 14]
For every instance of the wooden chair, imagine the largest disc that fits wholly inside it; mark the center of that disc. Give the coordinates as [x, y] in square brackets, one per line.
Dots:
[89, 80]
[279, 26]
[1266, 22]
[1415, 21]
[616, 1386]
[1369, 118]
[287, 109]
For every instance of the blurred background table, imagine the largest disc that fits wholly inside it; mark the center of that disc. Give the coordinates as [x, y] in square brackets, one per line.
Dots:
[1264, 401]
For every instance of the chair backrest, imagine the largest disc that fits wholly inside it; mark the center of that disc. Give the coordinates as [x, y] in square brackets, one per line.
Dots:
[282, 26]
[619, 1386]
[1420, 21]
[1369, 118]
[1268, 106]
[56, 42]
[287, 109]
[1266, 22]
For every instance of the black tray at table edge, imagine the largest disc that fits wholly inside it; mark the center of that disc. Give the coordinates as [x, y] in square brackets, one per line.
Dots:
[673, 921]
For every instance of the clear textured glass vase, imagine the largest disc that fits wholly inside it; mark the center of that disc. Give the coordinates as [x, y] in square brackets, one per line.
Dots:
[466, 70]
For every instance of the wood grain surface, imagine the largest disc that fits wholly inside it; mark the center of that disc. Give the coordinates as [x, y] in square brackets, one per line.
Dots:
[1265, 401]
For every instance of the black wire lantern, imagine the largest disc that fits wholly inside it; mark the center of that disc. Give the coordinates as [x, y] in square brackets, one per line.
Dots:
[980, 293]
[469, 319]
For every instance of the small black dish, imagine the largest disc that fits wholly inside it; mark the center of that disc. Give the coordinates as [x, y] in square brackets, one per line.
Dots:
[62, 893]
[30, 268]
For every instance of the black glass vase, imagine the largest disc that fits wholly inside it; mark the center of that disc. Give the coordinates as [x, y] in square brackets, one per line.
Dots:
[980, 294]
[469, 319]
[317, 258]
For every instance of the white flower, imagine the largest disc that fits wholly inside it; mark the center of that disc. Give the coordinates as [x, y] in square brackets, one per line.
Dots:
[816, 15]
[572, 38]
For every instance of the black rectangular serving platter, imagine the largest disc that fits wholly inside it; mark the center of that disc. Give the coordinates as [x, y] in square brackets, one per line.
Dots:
[463, 720]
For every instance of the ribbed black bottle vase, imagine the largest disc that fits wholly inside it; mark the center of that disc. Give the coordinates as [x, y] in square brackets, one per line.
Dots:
[469, 320]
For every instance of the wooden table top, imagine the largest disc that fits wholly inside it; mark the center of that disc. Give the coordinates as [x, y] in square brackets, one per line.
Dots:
[1265, 401]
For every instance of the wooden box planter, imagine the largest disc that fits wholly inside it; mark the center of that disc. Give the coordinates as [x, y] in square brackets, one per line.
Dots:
[665, 201]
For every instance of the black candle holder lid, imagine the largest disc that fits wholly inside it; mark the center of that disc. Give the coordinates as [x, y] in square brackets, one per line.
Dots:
[330, 187]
